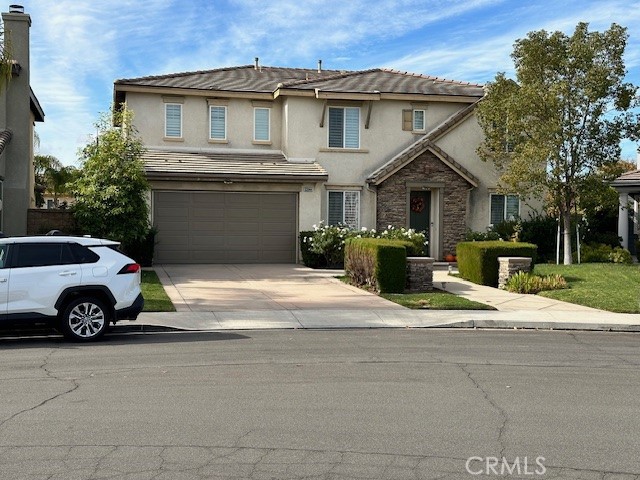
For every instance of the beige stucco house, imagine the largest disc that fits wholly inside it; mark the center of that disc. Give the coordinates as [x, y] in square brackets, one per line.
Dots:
[19, 110]
[242, 159]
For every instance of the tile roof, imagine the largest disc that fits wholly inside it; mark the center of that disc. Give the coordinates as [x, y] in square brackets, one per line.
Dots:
[5, 138]
[247, 78]
[205, 165]
[628, 179]
[424, 143]
[380, 80]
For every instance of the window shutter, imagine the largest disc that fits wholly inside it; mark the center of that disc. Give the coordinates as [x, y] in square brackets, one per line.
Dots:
[336, 127]
[407, 120]
[352, 209]
[173, 120]
[497, 208]
[261, 124]
[335, 208]
[218, 123]
[352, 128]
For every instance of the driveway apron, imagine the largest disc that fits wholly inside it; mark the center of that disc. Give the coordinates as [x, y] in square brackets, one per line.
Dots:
[210, 288]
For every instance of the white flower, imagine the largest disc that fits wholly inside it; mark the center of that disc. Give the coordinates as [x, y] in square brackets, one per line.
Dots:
[363, 229]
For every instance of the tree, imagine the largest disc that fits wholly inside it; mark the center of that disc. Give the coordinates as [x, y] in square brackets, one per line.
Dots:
[42, 165]
[562, 118]
[6, 60]
[111, 188]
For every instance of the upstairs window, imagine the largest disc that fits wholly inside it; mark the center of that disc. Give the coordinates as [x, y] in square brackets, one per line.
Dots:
[344, 127]
[217, 122]
[173, 120]
[344, 209]
[504, 207]
[261, 124]
[418, 121]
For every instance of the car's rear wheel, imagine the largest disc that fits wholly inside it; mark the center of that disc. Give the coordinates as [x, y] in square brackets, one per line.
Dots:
[85, 319]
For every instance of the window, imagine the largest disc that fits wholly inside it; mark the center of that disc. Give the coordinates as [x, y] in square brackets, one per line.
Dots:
[344, 208]
[82, 254]
[261, 131]
[344, 127]
[4, 252]
[217, 122]
[173, 120]
[504, 207]
[418, 121]
[43, 254]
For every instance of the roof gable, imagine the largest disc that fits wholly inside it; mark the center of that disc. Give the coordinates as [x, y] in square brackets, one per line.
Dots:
[425, 143]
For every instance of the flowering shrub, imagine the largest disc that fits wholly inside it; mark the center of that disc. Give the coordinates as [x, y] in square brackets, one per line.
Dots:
[328, 241]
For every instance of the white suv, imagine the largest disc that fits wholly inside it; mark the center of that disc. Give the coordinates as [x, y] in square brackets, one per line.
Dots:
[78, 284]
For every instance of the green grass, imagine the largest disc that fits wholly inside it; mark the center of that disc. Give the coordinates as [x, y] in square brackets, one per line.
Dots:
[607, 286]
[436, 300]
[155, 298]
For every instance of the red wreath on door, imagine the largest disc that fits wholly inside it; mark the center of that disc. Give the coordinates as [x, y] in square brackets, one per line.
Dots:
[417, 204]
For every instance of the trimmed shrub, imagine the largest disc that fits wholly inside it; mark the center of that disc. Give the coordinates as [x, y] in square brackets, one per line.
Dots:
[327, 242]
[473, 236]
[542, 231]
[141, 250]
[310, 258]
[523, 282]
[376, 263]
[478, 261]
[601, 253]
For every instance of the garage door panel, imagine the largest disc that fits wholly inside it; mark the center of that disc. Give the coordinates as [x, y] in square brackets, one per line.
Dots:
[225, 227]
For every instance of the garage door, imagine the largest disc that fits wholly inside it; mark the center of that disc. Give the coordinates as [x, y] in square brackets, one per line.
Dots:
[218, 227]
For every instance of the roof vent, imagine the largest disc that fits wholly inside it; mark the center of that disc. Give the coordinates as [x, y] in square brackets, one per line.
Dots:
[16, 9]
[319, 66]
[256, 64]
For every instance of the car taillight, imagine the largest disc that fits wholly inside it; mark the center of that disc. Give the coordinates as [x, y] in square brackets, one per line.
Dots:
[130, 268]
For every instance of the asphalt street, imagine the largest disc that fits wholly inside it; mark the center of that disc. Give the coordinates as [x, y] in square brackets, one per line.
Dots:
[339, 404]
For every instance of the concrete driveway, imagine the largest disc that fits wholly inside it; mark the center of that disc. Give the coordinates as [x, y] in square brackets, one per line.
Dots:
[210, 288]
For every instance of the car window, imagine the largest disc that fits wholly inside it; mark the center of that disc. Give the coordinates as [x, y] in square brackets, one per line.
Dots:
[39, 255]
[4, 250]
[83, 254]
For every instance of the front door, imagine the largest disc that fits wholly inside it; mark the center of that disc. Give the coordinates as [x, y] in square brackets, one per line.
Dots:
[419, 210]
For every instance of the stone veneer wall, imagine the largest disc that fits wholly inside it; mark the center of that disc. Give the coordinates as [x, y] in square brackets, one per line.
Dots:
[419, 274]
[391, 205]
[509, 266]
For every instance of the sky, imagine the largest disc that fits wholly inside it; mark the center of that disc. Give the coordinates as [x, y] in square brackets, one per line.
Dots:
[80, 47]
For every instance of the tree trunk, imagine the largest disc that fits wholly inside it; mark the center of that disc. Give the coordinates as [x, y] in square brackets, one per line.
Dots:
[566, 224]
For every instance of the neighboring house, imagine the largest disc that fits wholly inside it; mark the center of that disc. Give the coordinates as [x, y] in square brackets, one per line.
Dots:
[628, 187]
[19, 110]
[242, 159]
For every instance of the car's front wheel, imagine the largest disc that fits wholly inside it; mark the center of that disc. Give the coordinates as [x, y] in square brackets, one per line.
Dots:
[85, 319]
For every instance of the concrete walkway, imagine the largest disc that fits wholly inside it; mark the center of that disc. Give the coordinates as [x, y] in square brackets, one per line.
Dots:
[252, 297]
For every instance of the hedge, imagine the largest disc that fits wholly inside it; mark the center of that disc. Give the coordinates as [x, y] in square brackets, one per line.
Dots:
[309, 257]
[376, 263]
[478, 261]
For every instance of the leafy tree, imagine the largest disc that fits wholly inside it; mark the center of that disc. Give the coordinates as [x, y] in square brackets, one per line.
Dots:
[561, 118]
[111, 187]
[6, 60]
[42, 165]
[53, 177]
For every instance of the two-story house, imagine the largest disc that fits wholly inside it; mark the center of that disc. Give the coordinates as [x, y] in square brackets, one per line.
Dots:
[241, 159]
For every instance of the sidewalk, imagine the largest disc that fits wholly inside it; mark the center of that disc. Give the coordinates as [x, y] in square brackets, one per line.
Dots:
[514, 311]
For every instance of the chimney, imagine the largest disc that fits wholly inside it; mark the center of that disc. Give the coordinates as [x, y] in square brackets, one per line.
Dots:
[256, 64]
[319, 66]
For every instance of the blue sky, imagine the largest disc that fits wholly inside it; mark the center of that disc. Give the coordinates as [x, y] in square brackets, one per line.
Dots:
[79, 47]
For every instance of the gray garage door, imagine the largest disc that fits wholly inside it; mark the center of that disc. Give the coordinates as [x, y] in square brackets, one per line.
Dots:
[217, 227]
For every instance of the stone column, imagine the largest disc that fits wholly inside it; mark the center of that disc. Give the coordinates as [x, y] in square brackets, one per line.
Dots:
[623, 219]
[509, 266]
[419, 274]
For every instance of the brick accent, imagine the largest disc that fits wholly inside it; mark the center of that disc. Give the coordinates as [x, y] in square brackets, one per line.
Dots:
[391, 205]
[508, 266]
[419, 274]
[40, 221]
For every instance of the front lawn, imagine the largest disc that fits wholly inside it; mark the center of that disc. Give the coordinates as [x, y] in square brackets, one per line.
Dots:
[155, 298]
[436, 300]
[607, 286]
